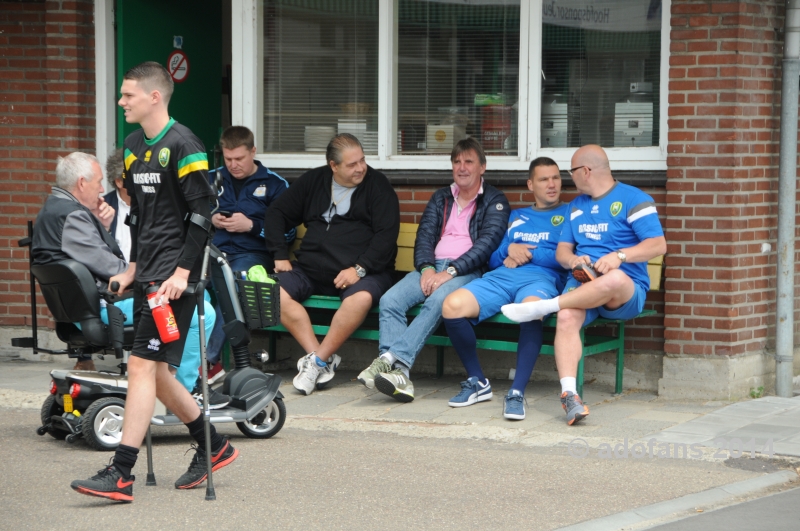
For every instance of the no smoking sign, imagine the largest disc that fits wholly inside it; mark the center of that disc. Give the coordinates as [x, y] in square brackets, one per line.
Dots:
[178, 66]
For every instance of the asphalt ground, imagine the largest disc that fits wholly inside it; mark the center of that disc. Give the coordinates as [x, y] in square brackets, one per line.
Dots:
[353, 459]
[777, 512]
[328, 479]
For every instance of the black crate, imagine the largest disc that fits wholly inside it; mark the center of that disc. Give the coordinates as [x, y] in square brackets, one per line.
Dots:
[261, 303]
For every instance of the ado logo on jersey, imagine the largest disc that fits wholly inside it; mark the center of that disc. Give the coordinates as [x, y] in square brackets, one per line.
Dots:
[557, 220]
[616, 208]
[163, 157]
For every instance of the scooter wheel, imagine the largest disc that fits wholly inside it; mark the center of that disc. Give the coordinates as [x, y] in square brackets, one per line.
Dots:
[266, 422]
[71, 438]
[101, 423]
[50, 408]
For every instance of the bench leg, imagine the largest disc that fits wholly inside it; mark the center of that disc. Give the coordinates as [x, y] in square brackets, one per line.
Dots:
[439, 361]
[620, 359]
[273, 346]
[579, 376]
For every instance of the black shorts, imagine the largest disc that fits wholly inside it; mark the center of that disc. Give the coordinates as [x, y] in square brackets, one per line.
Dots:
[300, 286]
[147, 342]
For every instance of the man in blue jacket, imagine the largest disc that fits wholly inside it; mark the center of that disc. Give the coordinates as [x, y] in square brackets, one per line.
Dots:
[462, 225]
[247, 190]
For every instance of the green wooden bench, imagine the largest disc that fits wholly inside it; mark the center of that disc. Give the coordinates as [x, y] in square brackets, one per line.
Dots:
[497, 333]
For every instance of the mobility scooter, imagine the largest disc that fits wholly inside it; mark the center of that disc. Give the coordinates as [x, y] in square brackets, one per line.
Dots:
[90, 404]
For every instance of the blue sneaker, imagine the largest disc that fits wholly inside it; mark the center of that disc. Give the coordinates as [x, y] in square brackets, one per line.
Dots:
[514, 406]
[472, 391]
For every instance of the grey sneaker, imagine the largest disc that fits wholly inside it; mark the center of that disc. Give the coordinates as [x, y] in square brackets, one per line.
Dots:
[367, 376]
[327, 373]
[395, 384]
[306, 379]
[216, 400]
[574, 407]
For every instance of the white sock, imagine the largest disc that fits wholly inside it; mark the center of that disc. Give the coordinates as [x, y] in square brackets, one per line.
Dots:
[568, 384]
[403, 368]
[388, 357]
[530, 311]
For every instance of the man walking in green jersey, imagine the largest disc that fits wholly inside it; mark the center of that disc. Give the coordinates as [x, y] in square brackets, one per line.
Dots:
[166, 176]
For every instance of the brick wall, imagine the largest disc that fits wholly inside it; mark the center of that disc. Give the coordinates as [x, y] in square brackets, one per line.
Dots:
[46, 110]
[724, 83]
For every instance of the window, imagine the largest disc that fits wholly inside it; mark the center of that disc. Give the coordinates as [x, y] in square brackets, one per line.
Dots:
[320, 74]
[411, 77]
[601, 70]
[457, 75]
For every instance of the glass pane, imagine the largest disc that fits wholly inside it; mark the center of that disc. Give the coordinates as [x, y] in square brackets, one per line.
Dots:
[458, 75]
[320, 73]
[601, 65]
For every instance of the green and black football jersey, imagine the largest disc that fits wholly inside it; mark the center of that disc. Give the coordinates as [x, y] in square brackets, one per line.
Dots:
[164, 173]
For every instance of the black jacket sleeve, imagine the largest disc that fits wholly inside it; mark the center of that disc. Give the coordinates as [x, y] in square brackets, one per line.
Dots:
[284, 214]
[196, 236]
[491, 228]
[385, 209]
[429, 230]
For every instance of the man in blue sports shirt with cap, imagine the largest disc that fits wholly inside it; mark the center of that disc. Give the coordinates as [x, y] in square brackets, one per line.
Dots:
[613, 227]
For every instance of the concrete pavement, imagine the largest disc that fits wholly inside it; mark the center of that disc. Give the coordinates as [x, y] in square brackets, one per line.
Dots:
[438, 466]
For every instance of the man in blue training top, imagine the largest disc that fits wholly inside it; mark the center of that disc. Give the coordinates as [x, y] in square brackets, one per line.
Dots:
[524, 268]
[247, 190]
[615, 228]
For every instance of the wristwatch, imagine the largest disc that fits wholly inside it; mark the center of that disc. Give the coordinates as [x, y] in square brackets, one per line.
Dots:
[360, 271]
[452, 271]
[621, 256]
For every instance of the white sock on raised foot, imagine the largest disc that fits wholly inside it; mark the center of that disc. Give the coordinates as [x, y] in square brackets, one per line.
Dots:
[403, 368]
[529, 311]
[388, 357]
[568, 383]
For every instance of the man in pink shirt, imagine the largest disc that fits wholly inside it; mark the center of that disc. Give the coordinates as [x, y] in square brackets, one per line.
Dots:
[462, 225]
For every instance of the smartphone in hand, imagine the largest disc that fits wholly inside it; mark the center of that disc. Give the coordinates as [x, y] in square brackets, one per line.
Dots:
[224, 213]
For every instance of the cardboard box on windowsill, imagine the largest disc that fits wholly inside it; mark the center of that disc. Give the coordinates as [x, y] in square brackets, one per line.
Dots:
[444, 137]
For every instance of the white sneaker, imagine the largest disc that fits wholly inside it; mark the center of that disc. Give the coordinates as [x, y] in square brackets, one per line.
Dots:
[326, 374]
[306, 379]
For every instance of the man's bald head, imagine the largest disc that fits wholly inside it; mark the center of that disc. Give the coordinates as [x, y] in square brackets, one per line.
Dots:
[592, 173]
[593, 156]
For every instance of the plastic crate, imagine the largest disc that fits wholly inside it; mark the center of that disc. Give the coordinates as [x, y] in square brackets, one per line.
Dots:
[261, 303]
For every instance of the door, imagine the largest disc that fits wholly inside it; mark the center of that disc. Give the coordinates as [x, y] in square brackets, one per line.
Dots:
[186, 37]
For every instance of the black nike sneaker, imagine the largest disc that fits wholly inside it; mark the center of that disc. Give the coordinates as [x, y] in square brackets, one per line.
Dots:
[108, 483]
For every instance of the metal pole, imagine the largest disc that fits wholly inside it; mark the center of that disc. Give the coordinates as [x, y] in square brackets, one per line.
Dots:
[787, 191]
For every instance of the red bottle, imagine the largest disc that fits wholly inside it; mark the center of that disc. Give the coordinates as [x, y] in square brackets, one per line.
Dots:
[163, 316]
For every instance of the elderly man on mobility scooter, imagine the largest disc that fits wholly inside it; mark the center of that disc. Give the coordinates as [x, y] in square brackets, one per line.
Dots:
[73, 224]
[166, 175]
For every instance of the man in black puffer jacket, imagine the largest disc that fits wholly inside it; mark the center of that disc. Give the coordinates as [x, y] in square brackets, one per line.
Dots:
[462, 225]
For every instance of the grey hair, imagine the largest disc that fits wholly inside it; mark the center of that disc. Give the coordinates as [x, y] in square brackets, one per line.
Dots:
[338, 144]
[114, 168]
[72, 167]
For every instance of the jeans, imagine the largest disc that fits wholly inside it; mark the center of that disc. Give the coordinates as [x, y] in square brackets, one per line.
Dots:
[238, 262]
[405, 340]
[190, 362]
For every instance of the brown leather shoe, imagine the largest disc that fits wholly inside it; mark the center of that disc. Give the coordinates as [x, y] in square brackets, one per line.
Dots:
[84, 365]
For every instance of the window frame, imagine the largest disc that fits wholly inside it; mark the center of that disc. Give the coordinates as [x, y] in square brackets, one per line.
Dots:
[247, 96]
